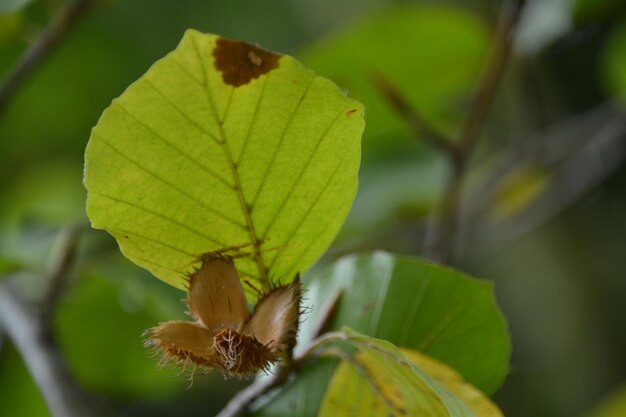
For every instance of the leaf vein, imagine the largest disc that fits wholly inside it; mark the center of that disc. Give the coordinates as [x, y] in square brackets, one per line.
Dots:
[254, 240]
[180, 111]
[254, 119]
[443, 324]
[280, 141]
[161, 216]
[153, 240]
[310, 209]
[415, 305]
[172, 186]
[290, 193]
[179, 151]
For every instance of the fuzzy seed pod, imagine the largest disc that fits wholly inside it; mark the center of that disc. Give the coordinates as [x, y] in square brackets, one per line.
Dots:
[224, 335]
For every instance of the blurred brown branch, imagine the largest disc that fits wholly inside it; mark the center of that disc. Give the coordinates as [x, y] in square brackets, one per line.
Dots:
[242, 400]
[27, 324]
[59, 270]
[41, 48]
[420, 127]
[441, 233]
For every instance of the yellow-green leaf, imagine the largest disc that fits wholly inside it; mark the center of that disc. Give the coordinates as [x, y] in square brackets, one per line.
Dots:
[378, 380]
[470, 395]
[614, 405]
[223, 144]
[518, 190]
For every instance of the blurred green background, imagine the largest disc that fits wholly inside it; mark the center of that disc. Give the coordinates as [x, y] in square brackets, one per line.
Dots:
[559, 268]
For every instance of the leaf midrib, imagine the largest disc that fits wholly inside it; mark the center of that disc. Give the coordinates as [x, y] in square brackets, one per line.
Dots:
[254, 240]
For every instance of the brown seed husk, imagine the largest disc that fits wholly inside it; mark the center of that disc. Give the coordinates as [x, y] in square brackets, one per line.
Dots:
[182, 342]
[225, 336]
[240, 354]
[276, 316]
[216, 298]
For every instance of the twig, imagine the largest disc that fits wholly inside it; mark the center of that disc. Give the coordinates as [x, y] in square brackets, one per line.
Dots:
[490, 81]
[421, 128]
[242, 400]
[59, 271]
[443, 228]
[41, 48]
[34, 341]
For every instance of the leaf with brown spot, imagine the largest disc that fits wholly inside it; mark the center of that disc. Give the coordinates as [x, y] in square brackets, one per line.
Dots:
[239, 62]
[222, 144]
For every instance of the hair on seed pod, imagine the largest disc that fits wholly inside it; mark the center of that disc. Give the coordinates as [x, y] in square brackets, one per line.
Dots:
[224, 334]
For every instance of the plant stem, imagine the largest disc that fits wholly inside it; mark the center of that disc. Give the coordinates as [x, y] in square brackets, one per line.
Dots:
[58, 275]
[33, 338]
[242, 400]
[442, 229]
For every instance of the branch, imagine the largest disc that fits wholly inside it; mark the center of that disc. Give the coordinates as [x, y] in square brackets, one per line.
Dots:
[490, 81]
[34, 341]
[421, 128]
[41, 48]
[59, 270]
[240, 402]
[442, 230]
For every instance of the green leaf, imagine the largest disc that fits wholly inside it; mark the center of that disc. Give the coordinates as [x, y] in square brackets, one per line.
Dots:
[379, 381]
[432, 54]
[223, 144]
[414, 304]
[99, 326]
[517, 190]
[303, 395]
[612, 406]
[10, 25]
[471, 396]
[614, 62]
[20, 396]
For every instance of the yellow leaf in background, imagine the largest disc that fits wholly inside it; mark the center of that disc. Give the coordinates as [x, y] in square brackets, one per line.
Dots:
[472, 397]
[379, 380]
[517, 190]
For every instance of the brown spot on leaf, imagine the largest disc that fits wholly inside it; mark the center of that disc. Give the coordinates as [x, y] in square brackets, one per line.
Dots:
[350, 112]
[239, 62]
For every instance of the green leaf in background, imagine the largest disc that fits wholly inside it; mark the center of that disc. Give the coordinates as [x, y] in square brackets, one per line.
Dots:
[435, 65]
[379, 381]
[517, 190]
[612, 406]
[10, 25]
[614, 62]
[99, 325]
[224, 144]
[20, 395]
[414, 304]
